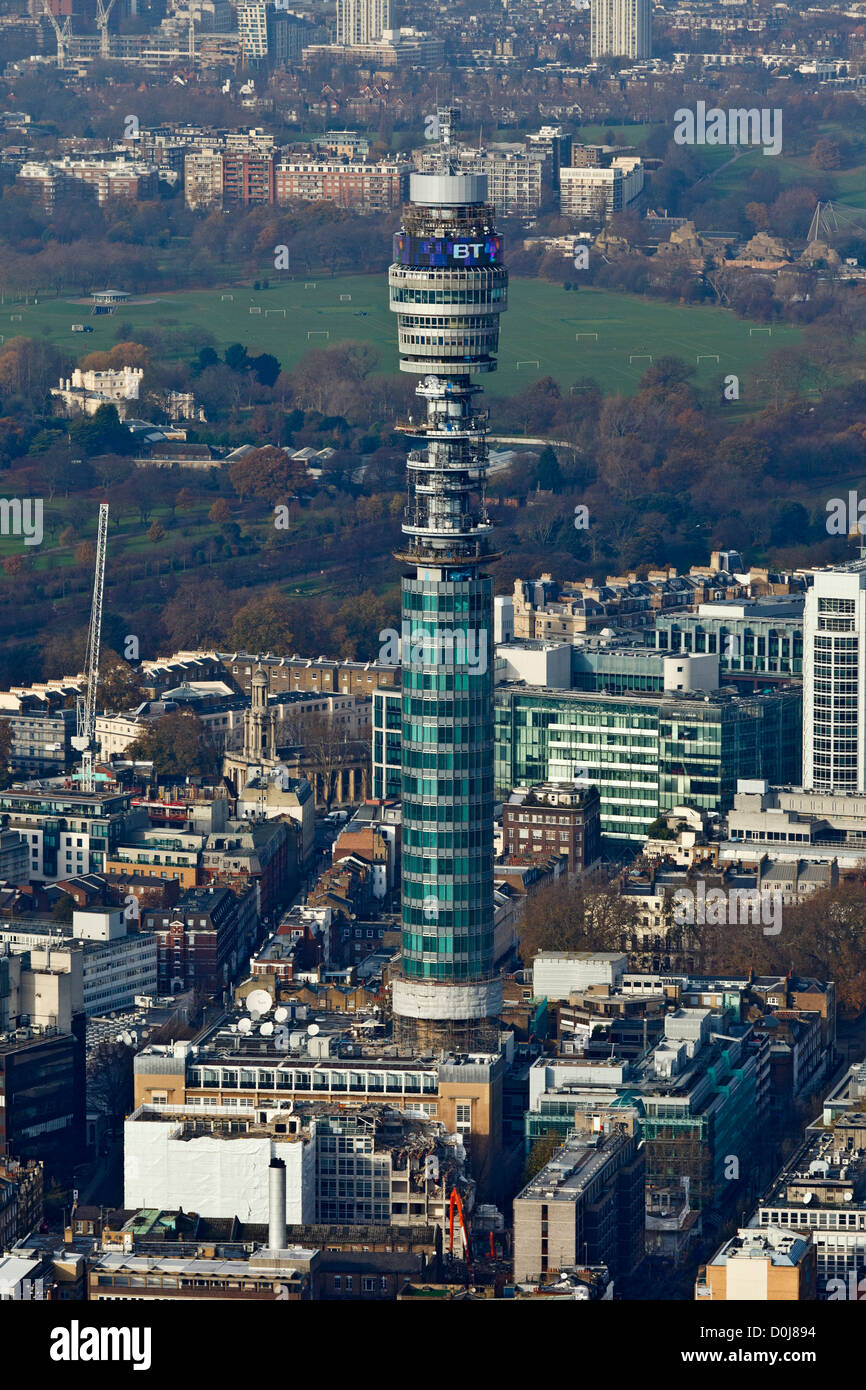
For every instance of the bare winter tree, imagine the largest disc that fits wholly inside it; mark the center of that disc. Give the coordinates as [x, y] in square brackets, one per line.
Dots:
[109, 1079]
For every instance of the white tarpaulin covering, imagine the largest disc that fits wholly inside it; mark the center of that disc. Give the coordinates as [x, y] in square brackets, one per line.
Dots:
[213, 1176]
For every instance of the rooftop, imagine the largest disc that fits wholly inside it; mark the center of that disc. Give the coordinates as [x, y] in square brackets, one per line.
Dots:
[567, 1175]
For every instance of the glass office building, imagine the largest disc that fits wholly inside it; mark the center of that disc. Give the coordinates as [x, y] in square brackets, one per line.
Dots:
[647, 754]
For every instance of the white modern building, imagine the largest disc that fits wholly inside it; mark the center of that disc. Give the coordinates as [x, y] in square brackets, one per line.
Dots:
[834, 680]
[558, 974]
[362, 21]
[599, 192]
[253, 30]
[620, 29]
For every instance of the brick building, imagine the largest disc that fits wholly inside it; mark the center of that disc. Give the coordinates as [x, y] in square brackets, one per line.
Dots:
[198, 942]
[348, 184]
[286, 673]
[555, 818]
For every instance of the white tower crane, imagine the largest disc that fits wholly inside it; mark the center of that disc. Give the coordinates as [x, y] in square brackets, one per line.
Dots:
[102, 13]
[85, 705]
[63, 35]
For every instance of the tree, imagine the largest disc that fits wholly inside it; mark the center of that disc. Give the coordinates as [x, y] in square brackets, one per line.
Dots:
[198, 614]
[5, 743]
[235, 357]
[548, 475]
[575, 916]
[826, 154]
[110, 1079]
[63, 909]
[118, 686]
[156, 532]
[122, 355]
[267, 474]
[175, 746]
[220, 512]
[326, 750]
[263, 624]
[265, 368]
[541, 1151]
[101, 433]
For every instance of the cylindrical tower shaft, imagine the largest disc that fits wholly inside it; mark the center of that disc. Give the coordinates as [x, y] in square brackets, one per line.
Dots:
[448, 288]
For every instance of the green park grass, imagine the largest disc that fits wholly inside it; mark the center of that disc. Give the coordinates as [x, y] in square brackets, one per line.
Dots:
[537, 338]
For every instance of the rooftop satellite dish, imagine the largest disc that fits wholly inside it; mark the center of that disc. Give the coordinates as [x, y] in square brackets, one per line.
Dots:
[233, 1027]
[259, 1001]
[266, 1029]
[245, 1025]
[126, 1038]
[281, 1014]
[281, 1041]
[313, 1030]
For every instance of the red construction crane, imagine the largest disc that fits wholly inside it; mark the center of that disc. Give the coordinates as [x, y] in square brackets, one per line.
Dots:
[456, 1202]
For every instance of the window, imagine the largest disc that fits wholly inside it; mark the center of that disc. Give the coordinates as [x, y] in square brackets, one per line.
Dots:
[369, 1285]
[463, 1112]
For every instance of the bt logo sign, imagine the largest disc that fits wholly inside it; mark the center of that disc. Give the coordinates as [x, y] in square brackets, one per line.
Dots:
[463, 250]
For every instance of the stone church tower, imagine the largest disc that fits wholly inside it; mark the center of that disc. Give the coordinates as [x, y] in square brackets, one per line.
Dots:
[260, 735]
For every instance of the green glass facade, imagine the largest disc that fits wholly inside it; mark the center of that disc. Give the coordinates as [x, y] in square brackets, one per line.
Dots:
[745, 645]
[550, 737]
[646, 755]
[447, 779]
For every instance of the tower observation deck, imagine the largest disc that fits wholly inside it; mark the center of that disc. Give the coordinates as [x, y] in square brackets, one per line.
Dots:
[447, 287]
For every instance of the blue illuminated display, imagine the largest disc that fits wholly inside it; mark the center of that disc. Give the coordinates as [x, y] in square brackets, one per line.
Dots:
[454, 252]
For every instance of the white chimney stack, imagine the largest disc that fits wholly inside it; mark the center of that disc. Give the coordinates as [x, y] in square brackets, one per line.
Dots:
[277, 1205]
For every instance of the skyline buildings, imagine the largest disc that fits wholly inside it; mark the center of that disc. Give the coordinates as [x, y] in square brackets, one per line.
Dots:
[447, 257]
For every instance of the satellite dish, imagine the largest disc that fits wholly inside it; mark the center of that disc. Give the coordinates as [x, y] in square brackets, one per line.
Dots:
[119, 1038]
[233, 1027]
[281, 1014]
[245, 1025]
[266, 1029]
[259, 1001]
[313, 1030]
